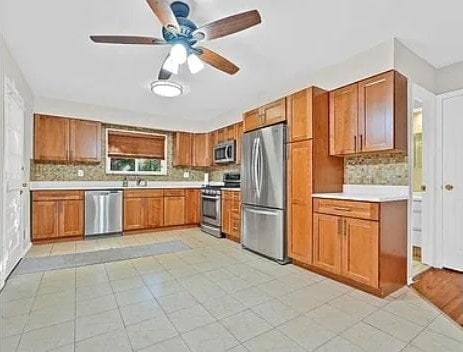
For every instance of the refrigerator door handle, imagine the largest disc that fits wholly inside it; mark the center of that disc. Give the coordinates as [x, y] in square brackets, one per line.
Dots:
[260, 166]
[254, 165]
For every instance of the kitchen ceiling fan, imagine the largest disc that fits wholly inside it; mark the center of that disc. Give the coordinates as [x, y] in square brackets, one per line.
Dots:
[183, 35]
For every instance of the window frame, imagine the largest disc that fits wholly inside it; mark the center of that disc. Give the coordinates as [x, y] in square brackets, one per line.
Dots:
[162, 172]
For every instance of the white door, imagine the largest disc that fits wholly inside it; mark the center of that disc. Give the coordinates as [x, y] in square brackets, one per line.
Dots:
[452, 119]
[14, 177]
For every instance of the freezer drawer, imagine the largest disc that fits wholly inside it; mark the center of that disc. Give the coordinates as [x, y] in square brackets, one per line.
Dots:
[263, 231]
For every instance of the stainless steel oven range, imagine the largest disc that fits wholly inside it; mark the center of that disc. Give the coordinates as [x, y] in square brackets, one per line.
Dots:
[211, 203]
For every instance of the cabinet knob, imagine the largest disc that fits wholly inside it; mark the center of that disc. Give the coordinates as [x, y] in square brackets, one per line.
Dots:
[449, 187]
[423, 188]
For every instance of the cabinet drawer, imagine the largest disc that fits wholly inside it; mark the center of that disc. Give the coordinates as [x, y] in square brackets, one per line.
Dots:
[237, 196]
[57, 195]
[352, 209]
[227, 195]
[174, 193]
[146, 193]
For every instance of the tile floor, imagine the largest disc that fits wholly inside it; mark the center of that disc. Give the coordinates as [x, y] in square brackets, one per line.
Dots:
[214, 297]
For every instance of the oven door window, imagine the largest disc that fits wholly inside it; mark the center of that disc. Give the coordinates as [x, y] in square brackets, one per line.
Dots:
[210, 208]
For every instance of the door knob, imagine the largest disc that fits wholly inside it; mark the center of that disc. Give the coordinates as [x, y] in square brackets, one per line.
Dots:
[449, 187]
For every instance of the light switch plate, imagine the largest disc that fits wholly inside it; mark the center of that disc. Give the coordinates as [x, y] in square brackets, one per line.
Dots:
[80, 173]
[186, 174]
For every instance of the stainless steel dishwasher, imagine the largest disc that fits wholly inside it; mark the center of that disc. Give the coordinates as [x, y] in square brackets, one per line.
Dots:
[103, 212]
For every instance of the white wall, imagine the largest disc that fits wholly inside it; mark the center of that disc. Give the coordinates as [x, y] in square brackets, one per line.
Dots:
[449, 78]
[9, 68]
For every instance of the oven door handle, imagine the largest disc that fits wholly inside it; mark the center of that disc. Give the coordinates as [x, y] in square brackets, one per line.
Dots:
[210, 197]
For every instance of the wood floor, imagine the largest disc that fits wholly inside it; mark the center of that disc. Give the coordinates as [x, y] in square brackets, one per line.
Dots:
[444, 288]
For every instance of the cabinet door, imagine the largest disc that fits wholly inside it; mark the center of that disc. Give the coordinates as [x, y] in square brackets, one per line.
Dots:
[201, 150]
[238, 139]
[51, 138]
[134, 214]
[174, 211]
[343, 120]
[227, 204]
[299, 201]
[274, 112]
[376, 113]
[71, 218]
[230, 132]
[182, 149]
[221, 135]
[192, 210]
[45, 216]
[154, 212]
[300, 116]
[252, 120]
[360, 249]
[327, 233]
[85, 141]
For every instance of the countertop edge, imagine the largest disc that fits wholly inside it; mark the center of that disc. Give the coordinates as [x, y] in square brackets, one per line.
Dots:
[361, 198]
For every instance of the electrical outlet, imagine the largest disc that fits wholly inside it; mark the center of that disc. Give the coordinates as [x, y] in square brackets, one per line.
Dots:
[80, 173]
[186, 174]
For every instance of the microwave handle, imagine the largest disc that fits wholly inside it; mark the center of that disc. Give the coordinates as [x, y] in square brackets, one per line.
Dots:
[229, 152]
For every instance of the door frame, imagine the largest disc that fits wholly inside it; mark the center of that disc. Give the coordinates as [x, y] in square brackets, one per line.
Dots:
[439, 167]
[431, 130]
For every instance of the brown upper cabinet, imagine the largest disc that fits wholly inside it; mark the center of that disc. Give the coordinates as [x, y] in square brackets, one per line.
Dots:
[266, 115]
[369, 116]
[201, 149]
[66, 140]
[183, 143]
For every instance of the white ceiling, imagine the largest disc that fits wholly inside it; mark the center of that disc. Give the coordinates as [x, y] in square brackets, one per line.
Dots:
[49, 40]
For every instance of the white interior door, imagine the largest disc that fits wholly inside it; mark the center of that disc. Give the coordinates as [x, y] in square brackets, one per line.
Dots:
[452, 120]
[14, 177]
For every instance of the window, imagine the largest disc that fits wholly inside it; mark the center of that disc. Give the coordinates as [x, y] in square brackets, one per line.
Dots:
[136, 153]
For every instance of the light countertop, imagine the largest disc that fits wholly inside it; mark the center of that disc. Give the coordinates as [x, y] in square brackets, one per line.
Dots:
[93, 185]
[368, 193]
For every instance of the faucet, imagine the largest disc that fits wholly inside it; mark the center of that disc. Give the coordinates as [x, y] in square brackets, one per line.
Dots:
[125, 182]
[140, 182]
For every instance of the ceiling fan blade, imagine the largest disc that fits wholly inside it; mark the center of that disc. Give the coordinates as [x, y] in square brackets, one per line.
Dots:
[163, 73]
[229, 25]
[164, 13]
[218, 61]
[123, 39]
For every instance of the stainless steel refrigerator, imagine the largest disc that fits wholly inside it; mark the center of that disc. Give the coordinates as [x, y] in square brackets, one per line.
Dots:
[263, 192]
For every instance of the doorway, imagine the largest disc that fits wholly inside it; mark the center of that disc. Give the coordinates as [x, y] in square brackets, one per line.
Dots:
[13, 176]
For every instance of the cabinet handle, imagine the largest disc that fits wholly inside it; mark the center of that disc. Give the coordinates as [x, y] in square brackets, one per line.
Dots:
[340, 226]
[344, 227]
[361, 142]
[355, 144]
[342, 209]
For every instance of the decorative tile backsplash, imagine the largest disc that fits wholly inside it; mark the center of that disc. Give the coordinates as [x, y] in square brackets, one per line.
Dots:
[97, 172]
[376, 169]
[380, 169]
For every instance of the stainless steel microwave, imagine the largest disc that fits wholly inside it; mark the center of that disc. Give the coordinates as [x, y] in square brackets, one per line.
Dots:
[224, 153]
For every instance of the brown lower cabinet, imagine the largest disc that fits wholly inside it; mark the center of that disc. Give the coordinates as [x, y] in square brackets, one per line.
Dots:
[152, 209]
[57, 215]
[231, 215]
[361, 243]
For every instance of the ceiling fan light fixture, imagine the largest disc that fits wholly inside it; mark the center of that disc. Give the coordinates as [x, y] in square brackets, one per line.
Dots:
[195, 64]
[179, 53]
[166, 89]
[171, 65]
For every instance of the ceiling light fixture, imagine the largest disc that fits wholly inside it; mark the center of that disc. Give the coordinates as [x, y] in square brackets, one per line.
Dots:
[170, 65]
[166, 89]
[194, 63]
[179, 53]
